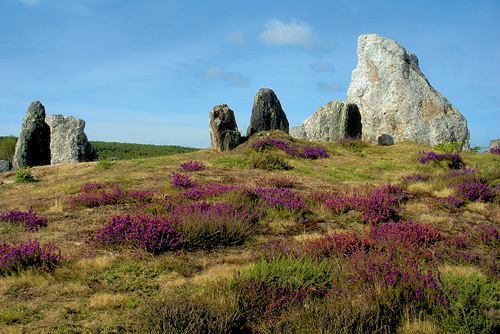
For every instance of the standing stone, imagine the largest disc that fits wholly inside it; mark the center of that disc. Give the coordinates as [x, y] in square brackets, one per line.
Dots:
[333, 122]
[69, 143]
[395, 98]
[494, 144]
[5, 166]
[385, 140]
[33, 145]
[224, 133]
[267, 113]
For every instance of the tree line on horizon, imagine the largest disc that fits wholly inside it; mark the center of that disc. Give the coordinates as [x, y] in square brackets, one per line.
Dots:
[108, 150]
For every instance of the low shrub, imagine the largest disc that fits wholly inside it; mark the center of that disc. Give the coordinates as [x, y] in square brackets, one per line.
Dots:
[23, 175]
[454, 160]
[29, 255]
[153, 234]
[182, 181]
[448, 147]
[295, 151]
[28, 219]
[268, 161]
[494, 150]
[97, 194]
[192, 166]
[282, 182]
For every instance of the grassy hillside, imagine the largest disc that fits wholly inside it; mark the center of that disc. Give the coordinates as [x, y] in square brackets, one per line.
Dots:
[276, 236]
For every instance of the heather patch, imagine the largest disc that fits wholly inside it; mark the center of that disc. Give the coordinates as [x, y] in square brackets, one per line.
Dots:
[494, 150]
[29, 219]
[454, 160]
[295, 151]
[28, 255]
[282, 182]
[97, 194]
[192, 166]
[182, 181]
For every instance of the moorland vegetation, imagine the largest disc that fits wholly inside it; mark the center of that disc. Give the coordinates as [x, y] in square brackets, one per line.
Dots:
[276, 236]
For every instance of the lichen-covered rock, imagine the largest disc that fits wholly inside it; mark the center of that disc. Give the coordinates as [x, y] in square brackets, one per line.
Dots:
[224, 133]
[394, 97]
[69, 143]
[33, 145]
[494, 144]
[267, 113]
[333, 122]
[5, 166]
[385, 140]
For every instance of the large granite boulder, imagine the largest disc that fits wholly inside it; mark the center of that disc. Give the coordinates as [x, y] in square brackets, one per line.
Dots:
[5, 166]
[33, 145]
[224, 133]
[333, 122]
[494, 144]
[267, 113]
[68, 142]
[395, 98]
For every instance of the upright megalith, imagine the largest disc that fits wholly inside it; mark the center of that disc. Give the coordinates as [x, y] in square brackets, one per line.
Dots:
[224, 133]
[69, 143]
[333, 122]
[267, 113]
[395, 98]
[494, 144]
[33, 145]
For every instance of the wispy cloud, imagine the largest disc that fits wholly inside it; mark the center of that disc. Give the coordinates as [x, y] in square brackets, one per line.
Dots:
[236, 37]
[233, 79]
[329, 87]
[322, 67]
[280, 33]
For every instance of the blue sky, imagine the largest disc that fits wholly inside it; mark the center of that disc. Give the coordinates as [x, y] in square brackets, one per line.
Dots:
[150, 71]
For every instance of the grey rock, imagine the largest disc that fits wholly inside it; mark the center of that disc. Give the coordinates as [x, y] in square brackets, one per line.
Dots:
[333, 122]
[267, 113]
[385, 140]
[33, 145]
[394, 97]
[494, 144]
[224, 133]
[5, 166]
[69, 143]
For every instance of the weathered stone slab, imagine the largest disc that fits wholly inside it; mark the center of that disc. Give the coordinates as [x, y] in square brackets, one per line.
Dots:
[394, 97]
[267, 113]
[224, 133]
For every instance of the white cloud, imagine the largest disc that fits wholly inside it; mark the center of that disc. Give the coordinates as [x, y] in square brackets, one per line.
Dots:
[322, 67]
[280, 33]
[233, 79]
[236, 37]
[329, 87]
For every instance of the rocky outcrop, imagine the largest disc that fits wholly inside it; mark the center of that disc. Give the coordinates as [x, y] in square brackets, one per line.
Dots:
[69, 143]
[394, 97]
[494, 144]
[224, 133]
[5, 166]
[33, 145]
[333, 122]
[267, 113]
[385, 140]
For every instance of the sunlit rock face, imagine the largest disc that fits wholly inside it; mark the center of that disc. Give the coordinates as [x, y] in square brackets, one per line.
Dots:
[334, 121]
[224, 134]
[395, 98]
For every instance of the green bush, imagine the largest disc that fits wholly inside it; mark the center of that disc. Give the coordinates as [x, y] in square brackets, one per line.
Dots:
[104, 164]
[472, 306]
[291, 273]
[448, 147]
[23, 175]
[268, 161]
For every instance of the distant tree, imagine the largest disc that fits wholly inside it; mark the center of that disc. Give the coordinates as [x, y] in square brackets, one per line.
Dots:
[107, 150]
[7, 147]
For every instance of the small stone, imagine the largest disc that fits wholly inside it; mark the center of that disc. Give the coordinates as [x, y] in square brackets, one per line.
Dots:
[385, 140]
[5, 166]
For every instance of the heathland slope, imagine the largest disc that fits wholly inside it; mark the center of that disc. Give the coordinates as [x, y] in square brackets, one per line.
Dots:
[276, 236]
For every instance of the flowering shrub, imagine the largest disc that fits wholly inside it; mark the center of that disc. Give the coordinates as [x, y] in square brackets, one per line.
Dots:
[468, 192]
[182, 181]
[192, 166]
[378, 204]
[494, 150]
[295, 151]
[14, 258]
[97, 193]
[454, 160]
[337, 244]
[28, 219]
[154, 234]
